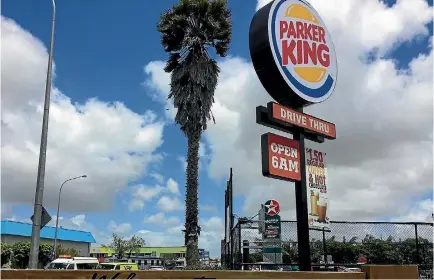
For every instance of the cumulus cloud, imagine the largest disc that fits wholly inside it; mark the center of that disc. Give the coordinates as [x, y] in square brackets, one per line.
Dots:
[161, 219]
[172, 185]
[168, 204]
[383, 116]
[108, 142]
[122, 228]
[143, 193]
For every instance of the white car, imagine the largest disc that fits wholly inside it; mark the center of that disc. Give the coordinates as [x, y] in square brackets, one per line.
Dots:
[156, 267]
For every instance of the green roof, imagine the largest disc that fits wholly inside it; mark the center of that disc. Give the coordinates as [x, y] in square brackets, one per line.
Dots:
[144, 250]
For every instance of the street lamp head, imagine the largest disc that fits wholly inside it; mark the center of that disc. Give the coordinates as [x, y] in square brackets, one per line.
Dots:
[84, 176]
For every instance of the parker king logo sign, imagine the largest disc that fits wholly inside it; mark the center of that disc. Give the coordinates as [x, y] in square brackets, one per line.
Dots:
[302, 49]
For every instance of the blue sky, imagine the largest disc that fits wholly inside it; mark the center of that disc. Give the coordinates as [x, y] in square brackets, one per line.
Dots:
[101, 49]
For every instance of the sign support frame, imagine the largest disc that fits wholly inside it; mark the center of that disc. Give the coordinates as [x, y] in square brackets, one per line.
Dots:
[287, 91]
[302, 213]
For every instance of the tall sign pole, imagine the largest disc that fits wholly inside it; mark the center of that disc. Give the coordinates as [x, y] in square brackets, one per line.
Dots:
[294, 58]
[37, 211]
[301, 209]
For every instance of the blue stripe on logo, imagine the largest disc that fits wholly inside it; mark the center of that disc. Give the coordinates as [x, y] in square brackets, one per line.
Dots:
[314, 93]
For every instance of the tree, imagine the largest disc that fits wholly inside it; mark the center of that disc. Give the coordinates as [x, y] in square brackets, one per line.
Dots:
[6, 251]
[45, 252]
[169, 260]
[134, 245]
[118, 246]
[21, 251]
[188, 30]
[60, 250]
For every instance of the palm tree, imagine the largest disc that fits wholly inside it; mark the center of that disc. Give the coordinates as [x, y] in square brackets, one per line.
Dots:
[189, 29]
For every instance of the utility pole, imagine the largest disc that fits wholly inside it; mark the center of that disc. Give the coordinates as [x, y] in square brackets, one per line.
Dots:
[39, 195]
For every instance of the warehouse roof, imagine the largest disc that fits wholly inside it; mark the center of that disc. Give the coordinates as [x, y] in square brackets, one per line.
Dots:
[25, 229]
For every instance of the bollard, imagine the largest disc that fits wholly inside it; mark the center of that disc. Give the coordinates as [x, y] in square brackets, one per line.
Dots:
[245, 254]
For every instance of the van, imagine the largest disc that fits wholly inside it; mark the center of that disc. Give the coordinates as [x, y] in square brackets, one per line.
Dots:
[73, 263]
[118, 266]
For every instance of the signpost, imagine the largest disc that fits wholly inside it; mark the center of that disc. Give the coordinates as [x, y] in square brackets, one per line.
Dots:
[294, 58]
[271, 235]
[45, 218]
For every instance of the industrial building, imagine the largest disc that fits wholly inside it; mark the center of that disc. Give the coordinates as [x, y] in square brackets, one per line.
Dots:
[150, 256]
[13, 232]
[147, 256]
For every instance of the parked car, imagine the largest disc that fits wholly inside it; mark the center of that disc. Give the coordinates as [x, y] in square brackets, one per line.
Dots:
[156, 267]
[118, 266]
[73, 263]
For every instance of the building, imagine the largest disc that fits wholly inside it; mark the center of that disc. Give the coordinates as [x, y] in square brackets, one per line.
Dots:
[147, 256]
[204, 256]
[13, 232]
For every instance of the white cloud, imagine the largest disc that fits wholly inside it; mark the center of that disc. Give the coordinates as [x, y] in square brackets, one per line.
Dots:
[383, 116]
[122, 228]
[108, 142]
[172, 185]
[148, 193]
[421, 212]
[161, 219]
[158, 177]
[145, 193]
[183, 161]
[136, 204]
[167, 204]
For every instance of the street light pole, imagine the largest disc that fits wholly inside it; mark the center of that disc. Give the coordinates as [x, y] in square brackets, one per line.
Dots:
[37, 211]
[58, 208]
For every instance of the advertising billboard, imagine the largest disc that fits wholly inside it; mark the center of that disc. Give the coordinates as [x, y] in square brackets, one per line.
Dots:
[318, 202]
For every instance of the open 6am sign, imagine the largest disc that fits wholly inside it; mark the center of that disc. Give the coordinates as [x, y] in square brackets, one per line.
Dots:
[280, 157]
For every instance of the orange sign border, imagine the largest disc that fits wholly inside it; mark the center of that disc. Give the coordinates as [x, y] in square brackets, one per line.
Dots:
[273, 108]
[266, 170]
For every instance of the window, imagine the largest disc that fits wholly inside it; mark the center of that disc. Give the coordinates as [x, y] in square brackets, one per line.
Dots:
[70, 266]
[139, 262]
[133, 260]
[57, 266]
[117, 267]
[152, 262]
[105, 266]
[86, 265]
[158, 262]
[145, 262]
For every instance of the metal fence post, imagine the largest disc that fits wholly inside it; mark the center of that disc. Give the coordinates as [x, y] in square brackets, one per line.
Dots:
[240, 257]
[417, 244]
[324, 247]
[231, 249]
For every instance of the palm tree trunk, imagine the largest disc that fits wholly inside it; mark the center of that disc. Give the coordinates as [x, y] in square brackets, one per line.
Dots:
[191, 201]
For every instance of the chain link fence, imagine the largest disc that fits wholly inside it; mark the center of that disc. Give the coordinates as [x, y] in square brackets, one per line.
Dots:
[347, 244]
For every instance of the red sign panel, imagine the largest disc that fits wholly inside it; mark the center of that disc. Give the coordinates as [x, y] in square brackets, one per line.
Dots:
[280, 157]
[288, 116]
